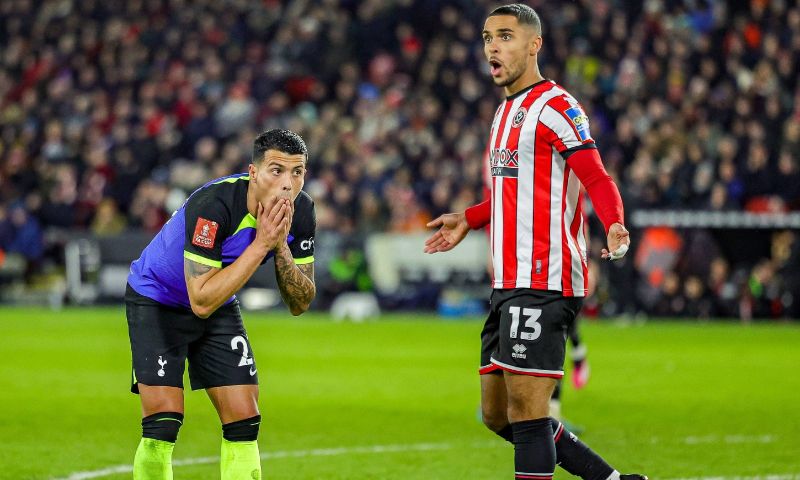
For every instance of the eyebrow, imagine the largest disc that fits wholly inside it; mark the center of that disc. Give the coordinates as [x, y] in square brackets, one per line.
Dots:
[500, 30]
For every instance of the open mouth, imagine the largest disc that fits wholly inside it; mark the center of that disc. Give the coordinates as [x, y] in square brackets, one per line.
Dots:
[494, 67]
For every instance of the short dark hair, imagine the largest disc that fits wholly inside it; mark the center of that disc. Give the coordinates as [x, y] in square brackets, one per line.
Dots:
[281, 140]
[523, 13]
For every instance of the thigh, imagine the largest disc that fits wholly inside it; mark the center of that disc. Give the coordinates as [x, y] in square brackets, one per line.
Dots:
[157, 399]
[532, 333]
[159, 338]
[528, 396]
[235, 402]
[223, 356]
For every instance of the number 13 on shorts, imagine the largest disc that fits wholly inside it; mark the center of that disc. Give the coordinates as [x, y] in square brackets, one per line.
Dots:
[531, 321]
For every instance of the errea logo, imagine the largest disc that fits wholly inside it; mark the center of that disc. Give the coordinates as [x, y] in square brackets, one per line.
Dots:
[519, 351]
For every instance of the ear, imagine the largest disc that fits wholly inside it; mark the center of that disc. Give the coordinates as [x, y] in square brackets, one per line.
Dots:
[251, 170]
[536, 45]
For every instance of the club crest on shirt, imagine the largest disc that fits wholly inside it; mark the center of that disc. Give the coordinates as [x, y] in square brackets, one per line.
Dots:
[519, 117]
[204, 233]
[580, 121]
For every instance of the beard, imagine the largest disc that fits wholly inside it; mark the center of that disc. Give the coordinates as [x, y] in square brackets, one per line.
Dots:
[513, 76]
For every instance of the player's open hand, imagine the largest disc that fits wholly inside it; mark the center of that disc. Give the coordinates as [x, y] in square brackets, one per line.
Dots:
[453, 229]
[273, 223]
[618, 242]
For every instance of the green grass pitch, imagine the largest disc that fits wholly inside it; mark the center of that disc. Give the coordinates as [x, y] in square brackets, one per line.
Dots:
[397, 399]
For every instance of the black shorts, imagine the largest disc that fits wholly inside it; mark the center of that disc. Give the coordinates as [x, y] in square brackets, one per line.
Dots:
[163, 338]
[526, 332]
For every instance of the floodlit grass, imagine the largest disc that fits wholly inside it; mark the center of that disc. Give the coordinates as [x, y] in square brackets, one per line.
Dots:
[670, 399]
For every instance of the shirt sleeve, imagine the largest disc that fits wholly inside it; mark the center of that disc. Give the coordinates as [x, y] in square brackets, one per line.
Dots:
[304, 225]
[567, 125]
[207, 225]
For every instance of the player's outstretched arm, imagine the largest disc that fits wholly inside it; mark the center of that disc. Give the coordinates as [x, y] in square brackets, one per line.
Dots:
[453, 227]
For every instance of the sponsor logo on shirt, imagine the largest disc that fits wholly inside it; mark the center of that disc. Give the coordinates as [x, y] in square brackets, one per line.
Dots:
[581, 122]
[504, 162]
[205, 231]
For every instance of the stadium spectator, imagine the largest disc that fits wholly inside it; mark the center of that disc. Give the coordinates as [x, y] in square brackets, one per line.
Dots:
[675, 90]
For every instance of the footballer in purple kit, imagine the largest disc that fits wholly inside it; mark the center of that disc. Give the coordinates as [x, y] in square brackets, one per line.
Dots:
[181, 303]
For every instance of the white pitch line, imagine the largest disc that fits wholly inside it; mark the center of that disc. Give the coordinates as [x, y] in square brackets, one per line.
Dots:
[768, 476]
[422, 447]
[316, 452]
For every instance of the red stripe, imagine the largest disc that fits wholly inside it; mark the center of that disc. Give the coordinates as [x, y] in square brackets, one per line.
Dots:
[510, 238]
[573, 230]
[510, 188]
[488, 369]
[508, 204]
[542, 201]
[566, 254]
[559, 431]
[530, 374]
[561, 105]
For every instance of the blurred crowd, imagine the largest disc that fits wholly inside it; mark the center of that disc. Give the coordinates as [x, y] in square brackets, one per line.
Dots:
[113, 111]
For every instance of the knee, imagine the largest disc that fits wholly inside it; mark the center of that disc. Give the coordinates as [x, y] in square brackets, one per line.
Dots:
[162, 426]
[242, 430]
[520, 408]
[495, 420]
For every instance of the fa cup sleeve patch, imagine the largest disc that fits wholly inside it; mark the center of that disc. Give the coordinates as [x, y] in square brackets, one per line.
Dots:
[204, 233]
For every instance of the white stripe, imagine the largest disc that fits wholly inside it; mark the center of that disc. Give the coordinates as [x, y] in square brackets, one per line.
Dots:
[560, 126]
[528, 370]
[525, 190]
[317, 452]
[556, 215]
[500, 247]
[540, 474]
[573, 190]
[580, 287]
[497, 232]
[496, 225]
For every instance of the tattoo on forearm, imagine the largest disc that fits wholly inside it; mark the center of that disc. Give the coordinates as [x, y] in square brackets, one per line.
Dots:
[296, 282]
[194, 269]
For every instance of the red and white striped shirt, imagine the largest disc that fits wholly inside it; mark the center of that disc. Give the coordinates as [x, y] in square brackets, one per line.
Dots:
[537, 231]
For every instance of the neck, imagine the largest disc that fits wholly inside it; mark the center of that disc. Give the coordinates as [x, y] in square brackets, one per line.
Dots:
[527, 79]
[252, 203]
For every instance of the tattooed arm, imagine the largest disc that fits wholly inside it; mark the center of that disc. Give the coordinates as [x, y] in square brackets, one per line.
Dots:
[209, 287]
[296, 282]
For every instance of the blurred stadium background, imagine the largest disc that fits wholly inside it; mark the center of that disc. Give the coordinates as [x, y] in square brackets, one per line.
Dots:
[113, 111]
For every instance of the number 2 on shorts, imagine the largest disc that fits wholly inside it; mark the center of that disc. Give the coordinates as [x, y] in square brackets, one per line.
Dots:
[533, 315]
[239, 340]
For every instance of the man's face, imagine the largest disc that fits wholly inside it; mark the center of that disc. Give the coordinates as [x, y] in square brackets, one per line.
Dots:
[277, 175]
[509, 47]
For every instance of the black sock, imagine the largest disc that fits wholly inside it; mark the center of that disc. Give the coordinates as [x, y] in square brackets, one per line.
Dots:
[506, 433]
[243, 430]
[534, 449]
[577, 458]
[162, 426]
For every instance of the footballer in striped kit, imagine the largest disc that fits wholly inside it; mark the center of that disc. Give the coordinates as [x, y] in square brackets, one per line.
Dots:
[541, 153]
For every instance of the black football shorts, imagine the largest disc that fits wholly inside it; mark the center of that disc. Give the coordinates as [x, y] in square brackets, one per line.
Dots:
[163, 338]
[526, 332]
